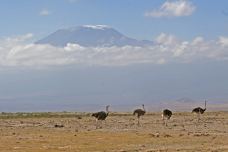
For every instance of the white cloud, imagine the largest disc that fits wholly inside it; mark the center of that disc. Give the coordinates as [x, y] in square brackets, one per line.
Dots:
[198, 40]
[223, 41]
[45, 12]
[161, 61]
[173, 9]
[166, 39]
[167, 48]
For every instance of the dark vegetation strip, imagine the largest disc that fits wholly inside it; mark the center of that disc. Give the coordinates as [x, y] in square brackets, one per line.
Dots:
[5, 115]
[79, 115]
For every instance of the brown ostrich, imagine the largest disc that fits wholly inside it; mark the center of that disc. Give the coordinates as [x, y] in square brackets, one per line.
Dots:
[139, 112]
[166, 114]
[102, 115]
[199, 111]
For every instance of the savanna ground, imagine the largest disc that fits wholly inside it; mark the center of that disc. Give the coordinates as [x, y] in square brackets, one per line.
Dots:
[72, 132]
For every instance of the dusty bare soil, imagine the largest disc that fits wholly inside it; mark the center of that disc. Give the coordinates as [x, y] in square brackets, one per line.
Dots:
[119, 132]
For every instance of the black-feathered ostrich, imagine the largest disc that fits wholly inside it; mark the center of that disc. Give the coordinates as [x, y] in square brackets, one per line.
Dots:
[101, 115]
[199, 110]
[166, 114]
[139, 112]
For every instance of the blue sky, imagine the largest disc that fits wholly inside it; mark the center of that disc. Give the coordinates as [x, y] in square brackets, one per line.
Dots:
[127, 16]
[188, 58]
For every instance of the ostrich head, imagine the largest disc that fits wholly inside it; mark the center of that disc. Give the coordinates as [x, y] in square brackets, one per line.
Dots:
[143, 107]
[205, 106]
[107, 108]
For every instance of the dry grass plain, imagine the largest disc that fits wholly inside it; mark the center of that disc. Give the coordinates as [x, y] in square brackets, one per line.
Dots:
[39, 133]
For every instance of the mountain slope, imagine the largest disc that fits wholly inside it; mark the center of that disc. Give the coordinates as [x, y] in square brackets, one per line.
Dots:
[91, 35]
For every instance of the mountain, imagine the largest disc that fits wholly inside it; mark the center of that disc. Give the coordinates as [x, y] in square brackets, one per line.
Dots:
[91, 36]
[185, 100]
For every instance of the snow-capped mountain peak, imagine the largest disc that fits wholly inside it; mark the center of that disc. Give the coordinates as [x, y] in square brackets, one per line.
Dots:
[99, 27]
[92, 36]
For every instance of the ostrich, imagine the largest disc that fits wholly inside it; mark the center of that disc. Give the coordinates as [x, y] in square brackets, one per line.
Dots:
[199, 110]
[101, 115]
[139, 112]
[166, 114]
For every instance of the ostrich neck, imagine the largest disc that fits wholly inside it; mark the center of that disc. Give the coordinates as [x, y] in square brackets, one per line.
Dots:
[144, 109]
[107, 111]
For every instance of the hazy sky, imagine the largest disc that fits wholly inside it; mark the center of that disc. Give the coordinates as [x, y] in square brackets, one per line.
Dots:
[189, 58]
